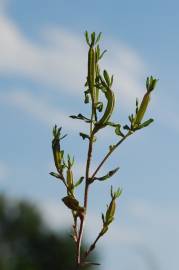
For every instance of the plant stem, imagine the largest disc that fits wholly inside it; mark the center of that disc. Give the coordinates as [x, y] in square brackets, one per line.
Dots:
[109, 153]
[92, 246]
[82, 220]
[91, 178]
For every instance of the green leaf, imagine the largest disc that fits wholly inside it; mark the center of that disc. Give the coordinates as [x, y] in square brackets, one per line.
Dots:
[79, 181]
[151, 83]
[112, 193]
[108, 175]
[131, 118]
[137, 105]
[87, 38]
[80, 117]
[99, 106]
[102, 83]
[97, 51]
[118, 130]
[146, 123]
[112, 78]
[56, 175]
[93, 38]
[98, 37]
[118, 193]
[84, 136]
[102, 54]
[126, 127]
[106, 77]
[103, 218]
[87, 264]
[87, 98]
[70, 161]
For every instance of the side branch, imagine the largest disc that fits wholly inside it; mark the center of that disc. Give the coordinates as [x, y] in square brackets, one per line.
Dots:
[109, 154]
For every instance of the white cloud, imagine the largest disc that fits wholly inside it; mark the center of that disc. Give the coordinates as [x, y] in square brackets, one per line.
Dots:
[61, 60]
[57, 64]
[129, 70]
[39, 108]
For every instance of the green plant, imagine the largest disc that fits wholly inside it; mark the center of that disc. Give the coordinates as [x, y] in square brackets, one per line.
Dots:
[98, 83]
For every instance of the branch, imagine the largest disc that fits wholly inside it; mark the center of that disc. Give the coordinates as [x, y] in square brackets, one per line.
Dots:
[109, 154]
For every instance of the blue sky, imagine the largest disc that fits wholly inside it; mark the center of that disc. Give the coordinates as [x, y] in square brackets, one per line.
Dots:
[42, 73]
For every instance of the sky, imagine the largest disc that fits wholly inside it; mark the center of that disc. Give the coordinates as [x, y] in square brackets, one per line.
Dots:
[43, 65]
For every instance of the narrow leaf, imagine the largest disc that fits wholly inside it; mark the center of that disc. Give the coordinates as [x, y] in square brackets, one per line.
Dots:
[108, 175]
[87, 38]
[56, 175]
[84, 136]
[118, 193]
[99, 106]
[102, 54]
[93, 38]
[126, 127]
[118, 130]
[80, 117]
[79, 182]
[87, 264]
[107, 78]
[146, 123]
[98, 38]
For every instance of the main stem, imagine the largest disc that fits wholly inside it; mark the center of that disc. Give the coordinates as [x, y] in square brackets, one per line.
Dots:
[82, 220]
[86, 191]
[87, 187]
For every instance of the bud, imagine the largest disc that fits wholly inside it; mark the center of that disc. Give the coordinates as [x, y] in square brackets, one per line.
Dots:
[151, 83]
[57, 152]
[70, 183]
[73, 204]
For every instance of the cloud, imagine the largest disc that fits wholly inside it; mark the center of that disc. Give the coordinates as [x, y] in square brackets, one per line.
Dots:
[128, 69]
[60, 60]
[39, 108]
[55, 63]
